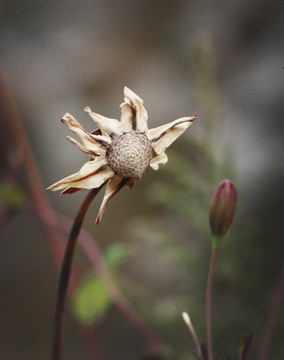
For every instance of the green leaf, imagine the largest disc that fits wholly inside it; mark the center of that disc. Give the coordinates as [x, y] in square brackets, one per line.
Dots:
[90, 301]
[12, 196]
[116, 255]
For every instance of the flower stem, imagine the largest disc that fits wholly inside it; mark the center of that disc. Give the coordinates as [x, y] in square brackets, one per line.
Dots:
[65, 272]
[214, 256]
[93, 252]
[272, 318]
[24, 156]
[190, 326]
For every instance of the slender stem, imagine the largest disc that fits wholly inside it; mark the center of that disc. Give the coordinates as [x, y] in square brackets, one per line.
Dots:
[24, 156]
[65, 272]
[190, 326]
[96, 257]
[272, 318]
[122, 303]
[91, 335]
[214, 257]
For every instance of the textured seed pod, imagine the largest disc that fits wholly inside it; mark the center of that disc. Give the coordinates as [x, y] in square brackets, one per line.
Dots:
[130, 154]
[119, 152]
[223, 206]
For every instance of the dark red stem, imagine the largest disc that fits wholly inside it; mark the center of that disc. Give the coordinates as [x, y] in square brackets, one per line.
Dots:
[272, 318]
[65, 272]
[96, 257]
[214, 257]
[24, 156]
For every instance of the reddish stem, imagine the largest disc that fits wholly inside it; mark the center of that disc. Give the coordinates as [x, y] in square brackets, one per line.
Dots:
[25, 155]
[214, 257]
[45, 214]
[96, 257]
[66, 270]
[272, 318]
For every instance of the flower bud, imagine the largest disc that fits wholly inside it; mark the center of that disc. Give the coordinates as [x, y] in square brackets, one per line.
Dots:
[223, 206]
[243, 344]
[242, 340]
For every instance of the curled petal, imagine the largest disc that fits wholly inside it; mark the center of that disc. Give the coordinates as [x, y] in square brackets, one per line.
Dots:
[103, 140]
[82, 148]
[70, 190]
[92, 174]
[163, 136]
[113, 187]
[159, 159]
[126, 117]
[111, 127]
[90, 144]
[139, 113]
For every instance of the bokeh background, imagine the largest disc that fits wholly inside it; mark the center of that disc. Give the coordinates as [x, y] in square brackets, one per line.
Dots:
[221, 59]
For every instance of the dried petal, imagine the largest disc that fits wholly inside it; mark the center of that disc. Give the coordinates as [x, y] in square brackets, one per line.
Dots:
[103, 140]
[113, 187]
[89, 143]
[91, 175]
[70, 190]
[139, 113]
[163, 136]
[82, 148]
[159, 159]
[126, 117]
[111, 127]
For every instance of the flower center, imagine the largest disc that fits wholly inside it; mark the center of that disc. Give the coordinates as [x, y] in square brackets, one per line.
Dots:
[129, 155]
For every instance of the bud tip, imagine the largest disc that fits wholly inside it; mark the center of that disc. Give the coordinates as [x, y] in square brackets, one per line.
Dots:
[223, 206]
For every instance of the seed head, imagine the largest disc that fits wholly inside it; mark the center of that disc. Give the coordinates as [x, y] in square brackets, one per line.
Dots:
[119, 152]
[223, 206]
[130, 154]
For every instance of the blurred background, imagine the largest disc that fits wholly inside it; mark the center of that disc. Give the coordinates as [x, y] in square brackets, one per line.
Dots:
[221, 59]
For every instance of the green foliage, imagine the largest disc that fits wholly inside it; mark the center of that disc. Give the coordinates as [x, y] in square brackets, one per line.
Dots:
[12, 197]
[116, 255]
[91, 299]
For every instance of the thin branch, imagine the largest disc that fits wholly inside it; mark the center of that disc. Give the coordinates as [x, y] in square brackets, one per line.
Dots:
[25, 156]
[43, 210]
[66, 270]
[96, 257]
[272, 318]
[190, 326]
[214, 257]
[38, 195]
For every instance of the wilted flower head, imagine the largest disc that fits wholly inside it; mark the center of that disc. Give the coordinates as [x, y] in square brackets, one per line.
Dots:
[223, 206]
[120, 151]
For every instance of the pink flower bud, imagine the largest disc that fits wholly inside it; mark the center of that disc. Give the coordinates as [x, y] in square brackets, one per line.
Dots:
[223, 206]
[243, 340]
[243, 343]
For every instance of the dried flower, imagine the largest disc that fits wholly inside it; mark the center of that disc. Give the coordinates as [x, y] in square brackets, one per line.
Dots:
[120, 151]
[223, 206]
